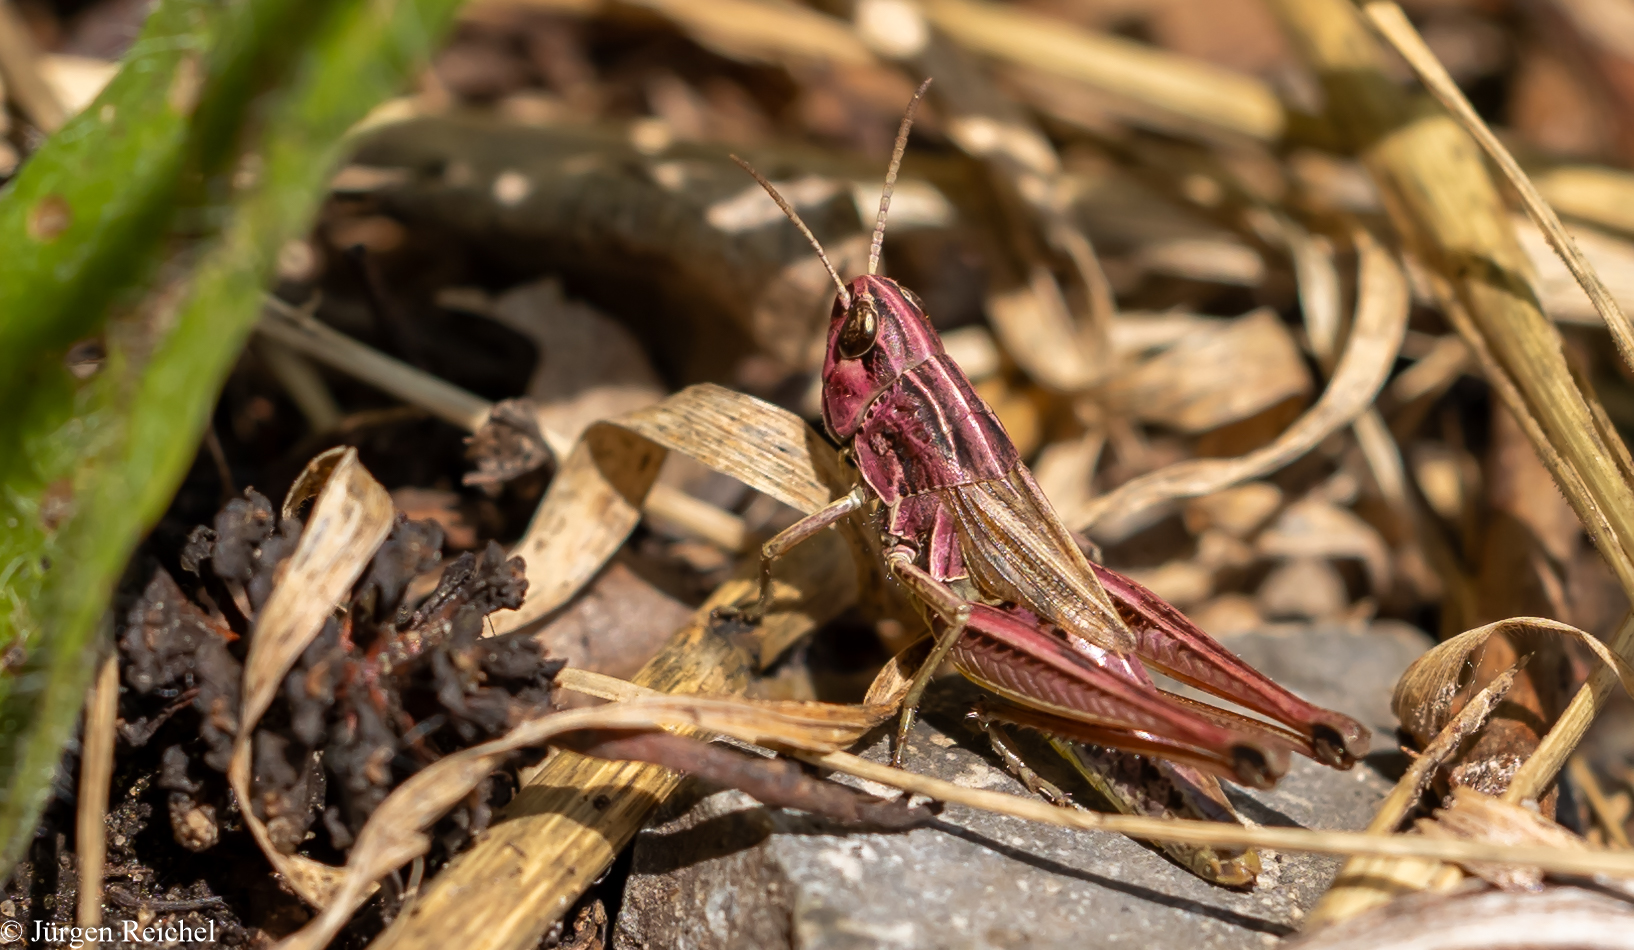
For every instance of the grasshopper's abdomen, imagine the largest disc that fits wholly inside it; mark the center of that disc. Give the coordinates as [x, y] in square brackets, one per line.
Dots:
[928, 432]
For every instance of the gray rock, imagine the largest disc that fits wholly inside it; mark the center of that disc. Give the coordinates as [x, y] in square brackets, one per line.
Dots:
[728, 873]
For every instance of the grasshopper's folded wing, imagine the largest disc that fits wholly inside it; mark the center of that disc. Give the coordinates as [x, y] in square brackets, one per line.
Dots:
[1016, 549]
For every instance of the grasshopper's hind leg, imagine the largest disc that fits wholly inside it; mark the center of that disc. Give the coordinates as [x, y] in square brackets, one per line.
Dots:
[948, 604]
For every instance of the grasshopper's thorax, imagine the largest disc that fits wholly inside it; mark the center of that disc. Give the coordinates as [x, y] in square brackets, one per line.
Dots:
[883, 334]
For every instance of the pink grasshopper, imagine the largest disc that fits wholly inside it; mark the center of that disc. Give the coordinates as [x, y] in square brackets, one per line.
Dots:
[967, 531]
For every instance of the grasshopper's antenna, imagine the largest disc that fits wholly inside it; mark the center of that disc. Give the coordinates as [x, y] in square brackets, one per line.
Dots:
[890, 177]
[845, 295]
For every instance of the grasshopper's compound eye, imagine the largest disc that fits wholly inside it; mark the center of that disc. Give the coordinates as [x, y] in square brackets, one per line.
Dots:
[861, 328]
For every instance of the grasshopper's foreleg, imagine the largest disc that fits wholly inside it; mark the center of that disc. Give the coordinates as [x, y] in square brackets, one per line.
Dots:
[950, 606]
[803, 530]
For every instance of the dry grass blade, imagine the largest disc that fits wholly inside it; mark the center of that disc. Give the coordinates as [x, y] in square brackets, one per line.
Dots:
[1424, 695]
[1380, 322]
[1320, 300]
[1364, 879]
[757, 30]
[349, 520]
[753, 30]
[595, 500]
[1202, 93]
[1387, 17]
[1156, 829]
[1186, 831]
[1433, 373]
[301, 380]
[95, 775]
[1319, 296]
[306, 335]
[833, 724]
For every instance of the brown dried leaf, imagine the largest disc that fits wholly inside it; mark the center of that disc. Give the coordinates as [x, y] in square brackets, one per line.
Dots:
[1563, 298]
[1424, 696]
[1305, 588]
[1212, 260]
[1375, 337]
[1231, 370]
[1134, 333]
[1065, 469]
[1238, 511]
[1312, 527]
[1037, 330]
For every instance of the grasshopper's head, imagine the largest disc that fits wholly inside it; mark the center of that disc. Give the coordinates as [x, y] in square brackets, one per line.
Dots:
[878, 331]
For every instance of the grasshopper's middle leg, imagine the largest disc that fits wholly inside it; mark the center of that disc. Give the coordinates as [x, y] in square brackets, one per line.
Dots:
[1016, 764]
[951, 607]
[803, 530]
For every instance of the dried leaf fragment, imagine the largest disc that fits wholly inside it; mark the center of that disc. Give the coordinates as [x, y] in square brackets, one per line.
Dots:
[1474, 816]
[1227, 371]
[1425, 695]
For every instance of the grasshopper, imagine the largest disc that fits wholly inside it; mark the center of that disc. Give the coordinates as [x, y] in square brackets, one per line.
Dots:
[1010, 591]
